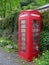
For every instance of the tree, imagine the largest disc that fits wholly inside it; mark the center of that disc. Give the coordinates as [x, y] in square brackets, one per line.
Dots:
[7, 6]
[4, 8]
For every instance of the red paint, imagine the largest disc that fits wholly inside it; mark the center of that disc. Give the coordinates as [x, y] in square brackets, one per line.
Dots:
[29, 48]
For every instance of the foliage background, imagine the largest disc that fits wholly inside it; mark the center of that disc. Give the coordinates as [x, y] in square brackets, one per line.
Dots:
[9, 10]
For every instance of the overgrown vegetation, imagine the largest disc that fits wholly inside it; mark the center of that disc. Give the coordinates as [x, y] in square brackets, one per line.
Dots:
[44, 40]
[44, 59]
[45, 20]
[44, 37]
[4, 42]
[9, 11]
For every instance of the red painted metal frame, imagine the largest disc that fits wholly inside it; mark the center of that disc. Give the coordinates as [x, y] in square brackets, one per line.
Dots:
[28, 55]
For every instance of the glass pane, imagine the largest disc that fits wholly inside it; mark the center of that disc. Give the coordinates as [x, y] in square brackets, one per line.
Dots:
[35, 30]
[35, 34]
[23, 22]
[35, 39]
[23, 30]
[35, 21]
[23, 34]
[35, 24]
[23, 39]
[23, 46]
[23, 26]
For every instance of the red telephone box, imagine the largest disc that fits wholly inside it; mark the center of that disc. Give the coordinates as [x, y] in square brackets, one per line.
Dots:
[29, 28]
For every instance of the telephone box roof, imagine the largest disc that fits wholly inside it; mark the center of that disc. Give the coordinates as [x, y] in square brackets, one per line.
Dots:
[30, 11]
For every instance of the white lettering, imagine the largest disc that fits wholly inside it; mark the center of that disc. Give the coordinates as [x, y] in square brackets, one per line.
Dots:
[35, 15]
[24, 15]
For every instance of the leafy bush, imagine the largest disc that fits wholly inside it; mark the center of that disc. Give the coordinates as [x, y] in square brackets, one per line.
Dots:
[1, 32]
[46, 19]
[15, 47]
[44, 60]
[44, 37]
[30, 6]
[44, 40]
[4, 42]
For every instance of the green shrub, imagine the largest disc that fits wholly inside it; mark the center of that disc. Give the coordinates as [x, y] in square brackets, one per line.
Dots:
[15, 46]
[46, 19]
[4, 42]
[44, 59]
[44, 40]
[44, 37]
[1, 32]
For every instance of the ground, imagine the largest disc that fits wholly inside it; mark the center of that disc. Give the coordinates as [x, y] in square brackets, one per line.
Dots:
[11, 58]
